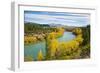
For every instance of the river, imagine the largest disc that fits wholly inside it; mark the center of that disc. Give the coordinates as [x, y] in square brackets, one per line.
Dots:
[33, 49]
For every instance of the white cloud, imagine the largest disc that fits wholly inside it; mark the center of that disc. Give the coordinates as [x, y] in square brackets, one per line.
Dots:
[61, 18]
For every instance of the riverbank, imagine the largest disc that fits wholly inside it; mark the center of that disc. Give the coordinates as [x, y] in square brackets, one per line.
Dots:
[32, 50]
[35, 38]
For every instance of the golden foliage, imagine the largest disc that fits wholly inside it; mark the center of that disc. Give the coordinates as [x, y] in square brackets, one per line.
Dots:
[40, 56]
[29, 39]
[77, 31]
[28, 58]
[53, 46]
[56, 47]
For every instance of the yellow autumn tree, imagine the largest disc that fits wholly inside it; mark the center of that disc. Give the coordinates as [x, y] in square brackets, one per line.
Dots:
[79, 39]
[63, 49]
[77, 31]
[59, 32]
[30, 39]
[53, 47]
[40, 56]
[52, 35]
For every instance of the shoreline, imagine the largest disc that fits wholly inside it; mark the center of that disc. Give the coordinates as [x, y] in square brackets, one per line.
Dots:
[45, 39]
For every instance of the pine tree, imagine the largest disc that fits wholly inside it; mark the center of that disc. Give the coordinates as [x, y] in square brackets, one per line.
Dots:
[40, 56]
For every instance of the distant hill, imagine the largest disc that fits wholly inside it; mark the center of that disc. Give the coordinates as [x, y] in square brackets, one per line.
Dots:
[49, 25]
[36, 24]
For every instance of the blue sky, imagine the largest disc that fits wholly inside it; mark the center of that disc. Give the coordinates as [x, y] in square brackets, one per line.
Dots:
[64, 18]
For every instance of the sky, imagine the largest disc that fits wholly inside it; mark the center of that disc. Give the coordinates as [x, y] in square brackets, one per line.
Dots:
[64, 18]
